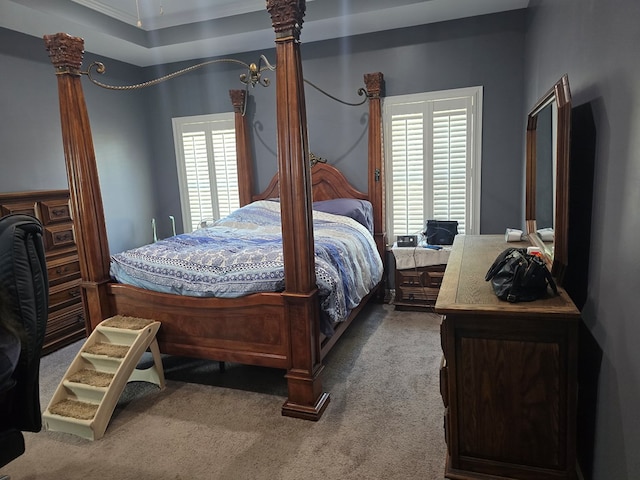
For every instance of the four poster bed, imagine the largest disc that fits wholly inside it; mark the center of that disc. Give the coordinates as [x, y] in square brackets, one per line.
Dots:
[272, 329]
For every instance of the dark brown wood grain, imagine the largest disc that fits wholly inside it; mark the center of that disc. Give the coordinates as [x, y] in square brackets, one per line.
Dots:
[509, 374]
[243, 146]
[278, 330]
[66, 315]
[66, 54]
[418, 288]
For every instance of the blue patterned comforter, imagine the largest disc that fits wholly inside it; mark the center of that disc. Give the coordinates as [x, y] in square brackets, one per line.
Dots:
[242, 254]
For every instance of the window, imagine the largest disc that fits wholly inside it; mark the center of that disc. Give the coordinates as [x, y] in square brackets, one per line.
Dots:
[432, 159]
[207, 169]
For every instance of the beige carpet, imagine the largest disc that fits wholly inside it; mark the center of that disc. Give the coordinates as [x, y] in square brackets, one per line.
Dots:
[384, 420]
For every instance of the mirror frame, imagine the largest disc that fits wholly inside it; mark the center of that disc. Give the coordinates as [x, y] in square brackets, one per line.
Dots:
[560, 94]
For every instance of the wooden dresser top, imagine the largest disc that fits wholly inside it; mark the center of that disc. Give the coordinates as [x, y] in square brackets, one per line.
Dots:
[464, 289]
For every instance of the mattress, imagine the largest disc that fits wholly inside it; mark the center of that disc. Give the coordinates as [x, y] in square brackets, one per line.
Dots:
[242, 254]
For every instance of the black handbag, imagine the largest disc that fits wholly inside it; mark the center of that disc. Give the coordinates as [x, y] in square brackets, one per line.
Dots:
[517, 276]
[441, 232]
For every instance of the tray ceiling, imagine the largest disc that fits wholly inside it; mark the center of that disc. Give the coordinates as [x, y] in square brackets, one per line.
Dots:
[150, 32]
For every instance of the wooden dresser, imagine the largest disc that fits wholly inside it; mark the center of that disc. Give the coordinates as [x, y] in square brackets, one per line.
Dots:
[509, 374]
[66, 312]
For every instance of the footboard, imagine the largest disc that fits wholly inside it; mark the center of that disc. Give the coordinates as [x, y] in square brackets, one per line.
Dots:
[250, 330]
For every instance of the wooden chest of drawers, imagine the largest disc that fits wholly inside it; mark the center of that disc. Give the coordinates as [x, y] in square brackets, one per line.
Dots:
[66, 322]
[509, 374]
[417, 288]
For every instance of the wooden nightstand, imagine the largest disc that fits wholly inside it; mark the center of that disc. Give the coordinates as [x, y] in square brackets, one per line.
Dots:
[418, 275]
[417, 288]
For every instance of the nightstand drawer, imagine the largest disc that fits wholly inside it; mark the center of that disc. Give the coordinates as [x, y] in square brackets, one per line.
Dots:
[421, 276]
[418, 287]
[64, 295]
[417, 293]
[70, 317]
[55, 211]
[26, 208]
[57, 237]
[64, 326]
[63, 269]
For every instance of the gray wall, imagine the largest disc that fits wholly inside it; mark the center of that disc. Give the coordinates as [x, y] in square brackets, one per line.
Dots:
[596, 43]
[31, 141]
[133, 135]
[483, 51]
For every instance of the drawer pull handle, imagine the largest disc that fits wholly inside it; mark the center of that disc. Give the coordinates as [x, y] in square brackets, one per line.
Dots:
[61, 270]
[57, 212]
[63, 237]
[74, 293]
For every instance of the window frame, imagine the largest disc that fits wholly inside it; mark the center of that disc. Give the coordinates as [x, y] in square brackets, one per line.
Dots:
[215, 122]
[423, 102]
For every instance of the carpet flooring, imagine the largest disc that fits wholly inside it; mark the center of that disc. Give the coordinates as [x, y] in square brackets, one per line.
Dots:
[384, 420]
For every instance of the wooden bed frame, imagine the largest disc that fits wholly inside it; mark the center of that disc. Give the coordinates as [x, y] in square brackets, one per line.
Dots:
[279, 330]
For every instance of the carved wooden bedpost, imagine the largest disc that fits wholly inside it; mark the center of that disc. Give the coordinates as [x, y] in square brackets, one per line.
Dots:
[375, 89]
[306, 399]
[66, 53]
[243, 147]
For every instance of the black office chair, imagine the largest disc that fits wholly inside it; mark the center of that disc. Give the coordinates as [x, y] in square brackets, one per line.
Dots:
[11, 439]
[25, 298]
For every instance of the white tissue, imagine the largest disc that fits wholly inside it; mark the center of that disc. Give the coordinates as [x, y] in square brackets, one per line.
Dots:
[513, 235]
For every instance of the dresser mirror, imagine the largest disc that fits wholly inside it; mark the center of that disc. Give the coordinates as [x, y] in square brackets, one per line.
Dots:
[547, 175]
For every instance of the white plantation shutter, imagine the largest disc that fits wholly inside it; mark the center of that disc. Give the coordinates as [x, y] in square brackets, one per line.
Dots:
[407, 172]
[197, 176]
[433, 163]
[450, 152]
[226, 171]
[207, 167]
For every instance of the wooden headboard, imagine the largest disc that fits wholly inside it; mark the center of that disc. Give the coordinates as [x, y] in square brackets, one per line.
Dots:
[327, 182]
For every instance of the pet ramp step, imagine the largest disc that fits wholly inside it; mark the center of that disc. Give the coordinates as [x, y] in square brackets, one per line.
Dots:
[86, 397]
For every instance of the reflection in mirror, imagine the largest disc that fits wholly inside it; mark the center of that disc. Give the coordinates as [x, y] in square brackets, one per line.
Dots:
[547, 182]
[546, 175]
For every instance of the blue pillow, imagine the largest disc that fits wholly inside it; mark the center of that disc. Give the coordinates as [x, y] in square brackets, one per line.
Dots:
[359, 210]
